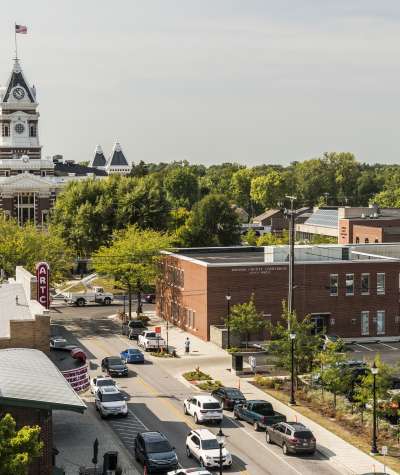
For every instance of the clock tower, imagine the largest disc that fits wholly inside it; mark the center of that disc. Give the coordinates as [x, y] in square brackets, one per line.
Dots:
[18, 118]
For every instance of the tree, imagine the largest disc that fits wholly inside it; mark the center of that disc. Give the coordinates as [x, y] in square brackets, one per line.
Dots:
[132, 259]
[270, 239]
[17, 447]
[245, 319]
[27, 245]
[306, 344]
[241, 186]
[267, 190]
[250, 237]
[182, 187]
[212, 222]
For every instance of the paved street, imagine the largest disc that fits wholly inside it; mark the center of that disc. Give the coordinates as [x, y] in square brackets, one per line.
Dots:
[155, 402]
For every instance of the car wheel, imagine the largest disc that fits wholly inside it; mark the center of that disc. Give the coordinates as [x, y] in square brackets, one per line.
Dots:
[102, 415]
[188, 452]
[196, 419]
[202, 463]
[268, 438]
[285, 449]
[236, 416]
[80, 302]
[107, 301]
[311, 453]
[185, 409]
[256, 426]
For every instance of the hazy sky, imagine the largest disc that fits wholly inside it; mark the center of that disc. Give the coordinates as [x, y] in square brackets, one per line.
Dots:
[252, 81]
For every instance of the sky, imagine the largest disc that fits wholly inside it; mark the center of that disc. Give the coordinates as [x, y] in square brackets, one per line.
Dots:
[212, 81]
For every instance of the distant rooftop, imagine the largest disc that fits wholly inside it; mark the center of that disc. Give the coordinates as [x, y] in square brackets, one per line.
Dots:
[324, 217]
[28, 378]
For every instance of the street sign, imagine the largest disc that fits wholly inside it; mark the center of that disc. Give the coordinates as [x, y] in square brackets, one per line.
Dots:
[43, 277]
[384, 450]
[157, 329]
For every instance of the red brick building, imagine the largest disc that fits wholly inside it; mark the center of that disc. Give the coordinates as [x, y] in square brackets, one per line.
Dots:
[351, 291]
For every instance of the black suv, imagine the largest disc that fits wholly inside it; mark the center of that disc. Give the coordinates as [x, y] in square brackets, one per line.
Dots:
[114, 366]
[228, 397]
[153, 450]
[293, 437]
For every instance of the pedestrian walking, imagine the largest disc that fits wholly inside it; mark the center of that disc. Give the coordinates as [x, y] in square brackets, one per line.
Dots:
[187, 345]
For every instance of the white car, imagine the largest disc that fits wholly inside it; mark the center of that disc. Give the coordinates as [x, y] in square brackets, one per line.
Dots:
[189, 471]
[109, 401]
[101, 382]
[203, 408]
[204, 446]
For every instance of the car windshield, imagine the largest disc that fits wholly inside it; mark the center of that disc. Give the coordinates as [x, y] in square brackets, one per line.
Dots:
[305, 434]
[158, 446]
[211, 405]
[105, 382]
[115, 361]
[263, 409]
[332, 337]
[112, 397]
[210, 444]
[133, 324]
[234, 393]
[134, 352]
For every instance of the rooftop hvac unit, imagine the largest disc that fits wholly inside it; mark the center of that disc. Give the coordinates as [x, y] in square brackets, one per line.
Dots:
[362, 215]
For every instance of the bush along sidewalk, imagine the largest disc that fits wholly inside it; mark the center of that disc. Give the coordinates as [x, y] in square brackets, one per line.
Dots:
[202, 380]
[341, 417]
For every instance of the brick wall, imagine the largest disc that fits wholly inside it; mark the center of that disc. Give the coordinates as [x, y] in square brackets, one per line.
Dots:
[29, 334]
[29, 416]
[269, 283]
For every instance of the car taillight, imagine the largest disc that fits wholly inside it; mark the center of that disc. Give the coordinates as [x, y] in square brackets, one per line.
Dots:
[294, 440]
[229, 400]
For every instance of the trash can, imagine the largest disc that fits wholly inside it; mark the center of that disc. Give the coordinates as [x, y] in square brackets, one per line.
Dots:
[110, 462]
[237, 362]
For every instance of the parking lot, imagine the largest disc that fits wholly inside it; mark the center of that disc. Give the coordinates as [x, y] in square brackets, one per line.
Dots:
[389, 352]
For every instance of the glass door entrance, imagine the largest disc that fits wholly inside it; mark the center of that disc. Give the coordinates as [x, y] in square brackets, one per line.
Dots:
[319, 322]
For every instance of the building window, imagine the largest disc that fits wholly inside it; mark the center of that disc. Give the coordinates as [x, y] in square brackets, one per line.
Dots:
[380, 322]
[334, 284]
[364, 323]
[364, 284]
[349, 284]
[357, 240]
[376, 241]
[380, 283]
[366, 240]
[32, 130]
[5, 130]
[42, 172]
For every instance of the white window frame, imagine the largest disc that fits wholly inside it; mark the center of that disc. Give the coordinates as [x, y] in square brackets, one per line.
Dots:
[365, 274]
[364, 313]
[352, 276]
[381, 313]
[380, 292]
[337, 285]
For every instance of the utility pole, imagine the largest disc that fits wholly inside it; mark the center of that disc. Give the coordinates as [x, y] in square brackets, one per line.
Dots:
[291, 214]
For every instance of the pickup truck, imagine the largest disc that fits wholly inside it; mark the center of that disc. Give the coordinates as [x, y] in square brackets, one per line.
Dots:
[82, 298]
[259, 413]
[133, 328]
[151, 341]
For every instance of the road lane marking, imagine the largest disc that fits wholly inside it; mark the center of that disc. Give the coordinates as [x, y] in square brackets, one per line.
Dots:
[365, 347]
[389, 346]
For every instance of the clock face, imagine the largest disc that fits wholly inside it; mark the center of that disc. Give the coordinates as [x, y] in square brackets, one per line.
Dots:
[19, 93]
[19, 128]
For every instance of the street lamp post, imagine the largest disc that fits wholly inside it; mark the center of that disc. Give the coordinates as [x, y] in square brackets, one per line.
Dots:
[292, 215]
[124, 304]
[228, 300]
[292, 399]
[221, 439]
[374, 448]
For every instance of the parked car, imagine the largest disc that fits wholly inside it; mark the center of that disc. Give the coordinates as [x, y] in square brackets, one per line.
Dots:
[132, 355]
[203, 446]
[203, 409]
[259, 413]
[189, 471]
[149, 298]
[109, 401]
[114, 366]
[61, 344]
[228, 397]
[293, 437]
[154, 452]
[101, 382]
[133, 329]
[151, 341]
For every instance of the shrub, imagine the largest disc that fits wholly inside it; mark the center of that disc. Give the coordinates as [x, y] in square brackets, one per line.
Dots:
[210, 385]
[233, 349]
[144, 318]
[196, 375]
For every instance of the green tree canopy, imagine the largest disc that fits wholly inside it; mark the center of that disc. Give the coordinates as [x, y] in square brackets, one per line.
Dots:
[18, 448]
[212, 222]
[131, 259]
[267, 190]
[182, 187]
[241, 186]
[245, 319]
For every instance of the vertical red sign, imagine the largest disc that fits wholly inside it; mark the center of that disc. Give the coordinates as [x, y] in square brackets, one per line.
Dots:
[43, 276]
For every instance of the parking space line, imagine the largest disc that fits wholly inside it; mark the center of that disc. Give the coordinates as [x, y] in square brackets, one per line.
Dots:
[389, 346]
[364, 347]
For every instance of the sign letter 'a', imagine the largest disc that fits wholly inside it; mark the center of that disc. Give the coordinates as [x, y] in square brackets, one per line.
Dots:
[43, 284]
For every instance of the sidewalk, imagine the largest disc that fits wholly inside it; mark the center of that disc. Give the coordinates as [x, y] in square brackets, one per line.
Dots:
[213, 360]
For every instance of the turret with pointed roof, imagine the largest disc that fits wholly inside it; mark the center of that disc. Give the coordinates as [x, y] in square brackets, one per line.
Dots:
[99, 160]
[18, 117]
[118, 163]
